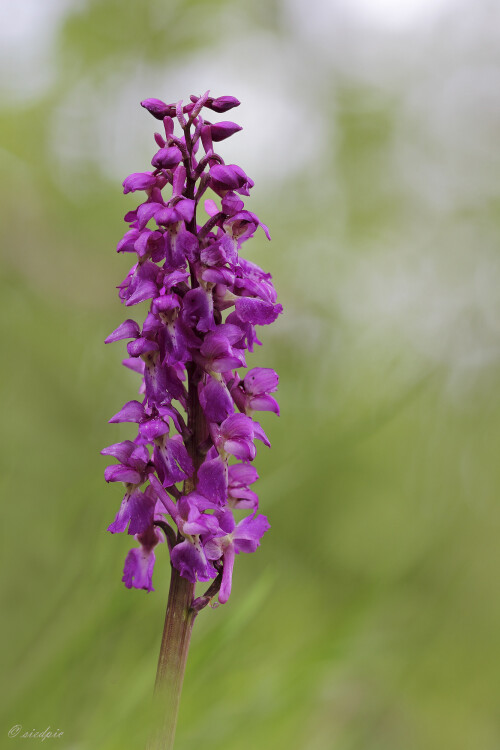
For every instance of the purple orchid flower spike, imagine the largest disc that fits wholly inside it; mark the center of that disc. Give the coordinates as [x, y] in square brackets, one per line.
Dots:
[187, 472]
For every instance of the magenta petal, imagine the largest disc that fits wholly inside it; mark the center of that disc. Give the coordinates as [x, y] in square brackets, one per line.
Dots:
[242, 449]
[120, 473]
[139, 457]
[141, 346]
[142, 242]
[222, 130]
[181, 456]
[138, 181]
[222, 103]
[213, 549]
[122, 518]
[242, 474]
[224, 364]
[227, 574]
[160, 140]
[153, 428]
[238, 425]
[133, 411]
[129, 329]
[126, 244]
[249, 532]
[145, 290]
[211, 207]
[227, 176]
[260, 380]
[121, 451]
[172, 461]
[186, 246]
[215, 401]
[166, 303]
[136, 512]
[215, 345]
[158, 108]
[166, 158]
[231, 332]
[141, 511]
[264, 403]
[138, 570]
[244, 498]
[231, 204]
[137, 365]
[218, 352]
[185, 208]
[260, 434]
[257, 311]
[197, 310]
[191, 562]
[145, 212]
[212, 480]
[252, 527]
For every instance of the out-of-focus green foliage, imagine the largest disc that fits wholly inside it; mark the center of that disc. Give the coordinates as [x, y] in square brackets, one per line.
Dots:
[370, 618]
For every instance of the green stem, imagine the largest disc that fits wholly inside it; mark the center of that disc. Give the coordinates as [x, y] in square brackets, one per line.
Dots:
[179, 621]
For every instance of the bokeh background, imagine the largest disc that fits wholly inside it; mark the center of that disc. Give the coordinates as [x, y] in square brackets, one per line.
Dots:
[369, 619]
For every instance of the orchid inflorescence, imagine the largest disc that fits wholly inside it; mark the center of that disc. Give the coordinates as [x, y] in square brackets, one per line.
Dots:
[195, 422]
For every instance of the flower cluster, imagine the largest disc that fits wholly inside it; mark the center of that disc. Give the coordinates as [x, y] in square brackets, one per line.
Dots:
[190, 463]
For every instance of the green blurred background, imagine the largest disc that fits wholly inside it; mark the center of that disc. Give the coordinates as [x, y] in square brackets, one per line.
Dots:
[370, 617]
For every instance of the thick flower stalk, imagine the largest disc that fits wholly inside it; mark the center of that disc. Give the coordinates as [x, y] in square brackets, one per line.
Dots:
[188, 473]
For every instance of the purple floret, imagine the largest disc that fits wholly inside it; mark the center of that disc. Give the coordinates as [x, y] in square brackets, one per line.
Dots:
[189, 466]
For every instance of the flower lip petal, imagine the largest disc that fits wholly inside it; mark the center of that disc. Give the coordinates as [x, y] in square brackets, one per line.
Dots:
[138, 569]
[227, 575]
[191, 562]
[249, 532]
